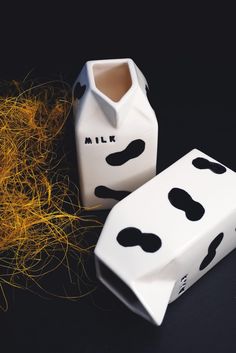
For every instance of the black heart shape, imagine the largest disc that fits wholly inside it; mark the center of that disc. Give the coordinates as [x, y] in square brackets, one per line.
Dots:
[79, 90]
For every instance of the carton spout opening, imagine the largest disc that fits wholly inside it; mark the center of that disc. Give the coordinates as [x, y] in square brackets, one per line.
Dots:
[120, 289]
[112, 79]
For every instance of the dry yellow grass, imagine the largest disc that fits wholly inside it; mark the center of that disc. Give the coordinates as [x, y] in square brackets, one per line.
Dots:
[34, 225]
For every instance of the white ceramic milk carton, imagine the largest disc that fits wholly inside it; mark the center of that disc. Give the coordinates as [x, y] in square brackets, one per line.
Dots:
[168, 233]
[116, 131]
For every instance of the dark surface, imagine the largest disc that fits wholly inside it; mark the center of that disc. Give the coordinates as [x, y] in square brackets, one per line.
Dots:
[189, 63]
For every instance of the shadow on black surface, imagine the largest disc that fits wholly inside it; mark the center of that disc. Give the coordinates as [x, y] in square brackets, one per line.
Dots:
[202, 319]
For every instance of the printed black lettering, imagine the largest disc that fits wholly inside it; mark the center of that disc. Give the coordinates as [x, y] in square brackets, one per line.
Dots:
[112, 139]
[88, 140]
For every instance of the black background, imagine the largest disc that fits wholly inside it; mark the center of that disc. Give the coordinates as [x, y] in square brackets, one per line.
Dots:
[187, 55]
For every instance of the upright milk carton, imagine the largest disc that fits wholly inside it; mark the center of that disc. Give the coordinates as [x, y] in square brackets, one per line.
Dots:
[116, 131]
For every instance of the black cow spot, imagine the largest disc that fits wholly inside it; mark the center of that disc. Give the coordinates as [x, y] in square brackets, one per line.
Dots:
[133, 150]
[202, 163]
[79, 90]
[180, 199]
[105, 193]
[211, 251]
[132, 236]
